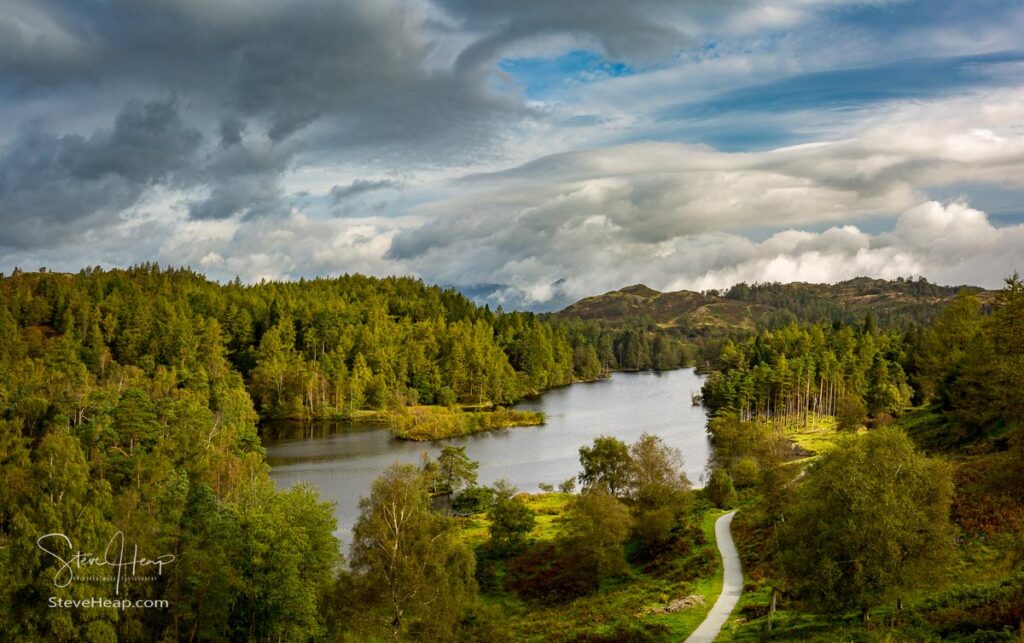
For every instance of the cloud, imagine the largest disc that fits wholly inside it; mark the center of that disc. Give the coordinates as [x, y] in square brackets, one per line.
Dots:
[358, 71]
[603, 218]
[949, 243]
[231, 131]
[856, 87]
[640, 31]
[52, 186]
[243, 179]
[716, 139]
[653, 192]
[359, 187]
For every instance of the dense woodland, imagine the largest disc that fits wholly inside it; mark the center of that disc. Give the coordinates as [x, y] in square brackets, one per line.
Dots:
[895, 303]
[881, 473]
[321, 347]
[968, 362]
[130, 399]
[796, 374]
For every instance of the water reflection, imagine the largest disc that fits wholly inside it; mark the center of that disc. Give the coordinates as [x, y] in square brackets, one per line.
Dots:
[342, 460]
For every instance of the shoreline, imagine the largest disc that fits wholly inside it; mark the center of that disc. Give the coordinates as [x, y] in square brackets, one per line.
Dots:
[431, 422]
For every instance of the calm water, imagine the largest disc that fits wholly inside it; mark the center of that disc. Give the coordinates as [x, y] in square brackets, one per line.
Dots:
[341, 460]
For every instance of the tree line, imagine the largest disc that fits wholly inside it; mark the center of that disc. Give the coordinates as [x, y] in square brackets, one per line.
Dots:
[797, 374]
[968, 362]
[129, 402]
[874, 519]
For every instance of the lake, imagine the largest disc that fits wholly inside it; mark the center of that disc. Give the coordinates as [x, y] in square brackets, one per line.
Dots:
[342, 459]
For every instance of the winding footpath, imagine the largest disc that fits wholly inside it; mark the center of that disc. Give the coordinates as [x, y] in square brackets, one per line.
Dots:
[732, 584]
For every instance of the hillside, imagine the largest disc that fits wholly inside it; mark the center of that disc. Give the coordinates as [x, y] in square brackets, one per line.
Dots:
[746, 307]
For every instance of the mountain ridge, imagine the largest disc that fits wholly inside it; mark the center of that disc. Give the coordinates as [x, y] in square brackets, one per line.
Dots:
[744, 307]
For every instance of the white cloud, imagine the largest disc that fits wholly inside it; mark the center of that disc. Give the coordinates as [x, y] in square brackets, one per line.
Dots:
[394, 109]
[951, 243]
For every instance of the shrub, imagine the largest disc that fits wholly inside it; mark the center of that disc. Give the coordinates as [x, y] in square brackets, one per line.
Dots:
[720, 489]
[746, 472]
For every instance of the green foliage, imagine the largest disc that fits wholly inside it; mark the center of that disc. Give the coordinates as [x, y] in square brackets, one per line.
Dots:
[872, 521]
[945, 343]
[539, 595]
[425, 423]
[568, 485]
[995, 608]
[656, 478]
[851, 413]
[454, 470]
[658, 491]
[411, 573]
[745, 472]
[129, 401]
[511, 520]
[719, 488]
[607, 463]
[121, 411]
[596, 527]
[473, 500]
[310, 348]
[795, 374]
[982, 383]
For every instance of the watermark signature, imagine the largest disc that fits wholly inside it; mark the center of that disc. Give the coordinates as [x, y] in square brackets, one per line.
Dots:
[109, 603]
[119, 566]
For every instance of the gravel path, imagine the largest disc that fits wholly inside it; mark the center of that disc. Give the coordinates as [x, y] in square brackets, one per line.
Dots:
[732, 585]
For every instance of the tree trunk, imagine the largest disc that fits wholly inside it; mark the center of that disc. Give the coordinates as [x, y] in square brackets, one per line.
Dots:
[771, 612]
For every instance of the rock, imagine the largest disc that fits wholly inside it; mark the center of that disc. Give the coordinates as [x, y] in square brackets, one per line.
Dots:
[693, 600]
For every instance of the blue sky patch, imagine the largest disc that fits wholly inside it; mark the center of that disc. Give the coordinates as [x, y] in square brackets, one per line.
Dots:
[847, 89]
[541, 77]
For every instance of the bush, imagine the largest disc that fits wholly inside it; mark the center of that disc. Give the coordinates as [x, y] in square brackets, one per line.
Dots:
[474, 500]
[511, 519]
[568, 485]
[851, 413]
[653, 530]
[720, 489]
[746, 472]
[545, 573]
[997, 607]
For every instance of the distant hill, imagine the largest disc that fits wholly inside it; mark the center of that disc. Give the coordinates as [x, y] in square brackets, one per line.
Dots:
[745, 307]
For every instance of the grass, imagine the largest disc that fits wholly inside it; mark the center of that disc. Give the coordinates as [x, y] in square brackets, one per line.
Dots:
[616, 611]
[817, 442]
[682, 623]
[548, 508]
[978, 598]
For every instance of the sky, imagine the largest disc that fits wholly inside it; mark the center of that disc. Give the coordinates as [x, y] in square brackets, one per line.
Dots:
[528, 152]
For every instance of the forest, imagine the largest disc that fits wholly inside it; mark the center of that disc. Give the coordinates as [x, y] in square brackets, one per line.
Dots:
[878, 475]
[325, 347]
[130, 403]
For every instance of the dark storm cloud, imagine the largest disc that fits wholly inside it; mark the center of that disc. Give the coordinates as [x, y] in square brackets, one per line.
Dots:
[38, 46]
[148, 141]
[358, 68]
[51, 185]
[231, 131]
[361, 186]
[243, 179]
[292, 98]
[253, 75]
